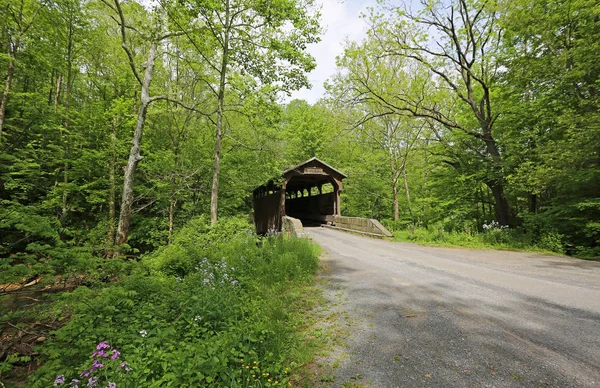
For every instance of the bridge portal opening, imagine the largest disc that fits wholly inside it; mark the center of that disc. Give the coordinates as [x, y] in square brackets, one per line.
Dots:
[309, 191]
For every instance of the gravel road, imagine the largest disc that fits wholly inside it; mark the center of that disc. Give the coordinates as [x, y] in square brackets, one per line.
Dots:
[443, 317]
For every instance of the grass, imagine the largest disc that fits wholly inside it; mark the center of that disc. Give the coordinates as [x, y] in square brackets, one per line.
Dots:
[495, 239]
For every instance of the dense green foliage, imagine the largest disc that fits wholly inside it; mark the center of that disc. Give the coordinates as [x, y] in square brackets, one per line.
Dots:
[195, 313]
[486, 113]
[465, 121]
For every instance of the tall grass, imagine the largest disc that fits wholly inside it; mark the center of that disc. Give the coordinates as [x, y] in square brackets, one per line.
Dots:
[493, 238]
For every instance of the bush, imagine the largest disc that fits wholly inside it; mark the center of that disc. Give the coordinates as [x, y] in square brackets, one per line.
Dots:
[551, 241]
[212, 309]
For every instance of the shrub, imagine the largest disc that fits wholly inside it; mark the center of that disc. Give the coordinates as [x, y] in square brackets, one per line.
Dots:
[552, 242]
[212, 309]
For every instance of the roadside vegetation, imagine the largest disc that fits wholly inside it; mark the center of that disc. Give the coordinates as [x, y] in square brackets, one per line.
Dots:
[492, 236]
[217, 307]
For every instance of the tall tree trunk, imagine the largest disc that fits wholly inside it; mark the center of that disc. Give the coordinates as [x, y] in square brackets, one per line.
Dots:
[532, 202]
[396, 204]
[134, 153]
[394, 172]
[112, 189]
[172, 205]
[482, 201]
[393, 167]
[501, 205]
[497, 185]
[214, 194]
[405, 179]
[67, 122]
[57, 92]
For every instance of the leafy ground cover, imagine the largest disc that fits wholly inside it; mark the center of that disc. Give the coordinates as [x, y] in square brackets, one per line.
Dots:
[217, 307]
[493, 236]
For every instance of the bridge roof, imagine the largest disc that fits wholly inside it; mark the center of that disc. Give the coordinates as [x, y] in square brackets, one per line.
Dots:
[312, 162]
[307, 174]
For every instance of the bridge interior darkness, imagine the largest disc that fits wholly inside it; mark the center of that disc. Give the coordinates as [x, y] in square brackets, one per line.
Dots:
[309, 191]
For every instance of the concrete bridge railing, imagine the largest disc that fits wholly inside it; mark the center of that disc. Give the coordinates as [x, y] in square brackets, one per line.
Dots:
[364, 225]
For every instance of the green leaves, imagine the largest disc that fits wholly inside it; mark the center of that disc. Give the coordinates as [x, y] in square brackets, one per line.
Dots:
[184, 331]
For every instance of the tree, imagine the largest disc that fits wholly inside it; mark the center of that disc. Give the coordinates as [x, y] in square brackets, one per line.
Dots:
[155, 37]
[367, 80]
[265, 40]
[19, 18]
[550, 96]
[456, 45]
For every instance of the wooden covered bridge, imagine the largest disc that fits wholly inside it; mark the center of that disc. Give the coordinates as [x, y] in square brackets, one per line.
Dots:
[309, 192]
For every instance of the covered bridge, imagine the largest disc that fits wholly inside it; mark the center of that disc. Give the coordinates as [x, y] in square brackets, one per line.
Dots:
[309, 192]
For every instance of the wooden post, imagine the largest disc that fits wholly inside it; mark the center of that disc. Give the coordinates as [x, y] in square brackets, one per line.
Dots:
[282, 201]
[337, 188]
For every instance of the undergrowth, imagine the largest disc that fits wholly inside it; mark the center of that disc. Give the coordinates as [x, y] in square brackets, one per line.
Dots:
[492, 237]
[217, 307]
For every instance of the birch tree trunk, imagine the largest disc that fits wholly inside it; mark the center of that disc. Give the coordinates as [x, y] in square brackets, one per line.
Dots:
[134, 153]
[214, 194]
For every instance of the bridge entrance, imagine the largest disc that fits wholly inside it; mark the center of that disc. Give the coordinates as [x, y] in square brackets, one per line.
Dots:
[309, 191]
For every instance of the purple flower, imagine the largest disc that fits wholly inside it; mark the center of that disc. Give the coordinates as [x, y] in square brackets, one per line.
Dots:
[97, 365]
[59, 380]
[92, 381]
[112, 385]
[115, 354]
[100, 353]
[102, 345]
[85, 373]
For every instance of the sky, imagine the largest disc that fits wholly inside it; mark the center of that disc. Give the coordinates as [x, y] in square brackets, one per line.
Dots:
[341, 20]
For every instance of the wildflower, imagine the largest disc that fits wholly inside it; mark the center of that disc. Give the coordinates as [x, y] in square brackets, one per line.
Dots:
[115, 354]
[178, 279]
[112, 385]
[234, 283]
[74, 383]
[206, 281]
[85, 373]
[59, 380]
[102, 345]
[125, 366]
[197, 318]
[96, 365]
[92, 381]
[100, 353]
[143, 333]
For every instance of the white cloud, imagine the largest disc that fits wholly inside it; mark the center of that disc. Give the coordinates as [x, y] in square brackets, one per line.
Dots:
[340, 20]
